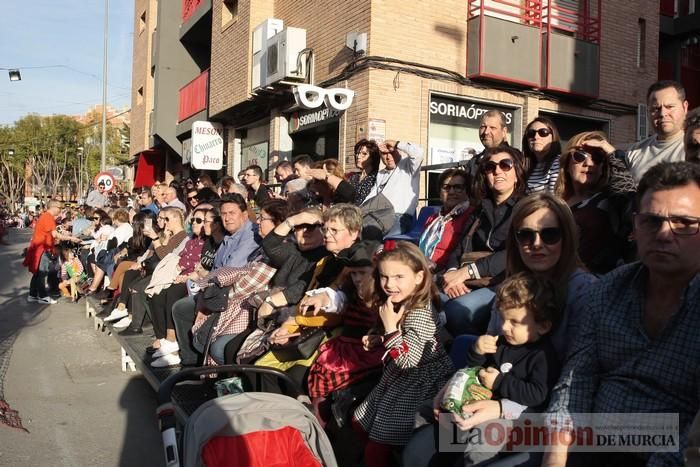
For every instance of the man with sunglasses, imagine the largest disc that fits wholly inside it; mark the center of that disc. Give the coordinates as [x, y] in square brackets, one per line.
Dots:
[493, 132]
[667, 107]
[636, 349]
[398, 181]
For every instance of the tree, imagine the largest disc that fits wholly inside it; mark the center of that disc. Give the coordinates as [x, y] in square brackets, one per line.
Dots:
[12, 171]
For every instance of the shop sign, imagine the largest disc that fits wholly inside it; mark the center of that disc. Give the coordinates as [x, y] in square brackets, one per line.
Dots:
[255, 154]
[207, 145]
[464, 112]
[187, 151]
[300, 121]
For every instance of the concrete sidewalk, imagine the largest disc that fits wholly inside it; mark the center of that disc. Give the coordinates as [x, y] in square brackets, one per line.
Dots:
[66, 382]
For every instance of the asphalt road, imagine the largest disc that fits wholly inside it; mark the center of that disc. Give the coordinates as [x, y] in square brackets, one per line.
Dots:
[65, 380]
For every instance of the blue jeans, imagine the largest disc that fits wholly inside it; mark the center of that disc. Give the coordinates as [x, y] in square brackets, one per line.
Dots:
[460, 348]
[216, 349]
[470, 313]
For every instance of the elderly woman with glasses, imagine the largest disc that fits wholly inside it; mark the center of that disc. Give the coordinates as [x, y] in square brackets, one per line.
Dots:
[478, 262]
[444, 229]
[541, 148]
[583, 184]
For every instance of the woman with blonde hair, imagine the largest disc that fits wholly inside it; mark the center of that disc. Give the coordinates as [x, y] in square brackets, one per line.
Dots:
[583, 183]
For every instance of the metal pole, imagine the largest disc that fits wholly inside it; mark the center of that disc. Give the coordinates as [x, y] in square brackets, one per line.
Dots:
[103, 160]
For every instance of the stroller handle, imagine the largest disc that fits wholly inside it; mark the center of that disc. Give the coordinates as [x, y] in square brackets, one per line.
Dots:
[166, 387]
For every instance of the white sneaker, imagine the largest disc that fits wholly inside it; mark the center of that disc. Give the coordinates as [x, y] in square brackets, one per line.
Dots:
[171, 359]
[116, 315]
[47, 300]
[32, 299]
[166, 347]
[122, 323]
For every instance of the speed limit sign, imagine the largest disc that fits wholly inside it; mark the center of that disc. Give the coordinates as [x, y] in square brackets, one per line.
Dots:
[105, 178]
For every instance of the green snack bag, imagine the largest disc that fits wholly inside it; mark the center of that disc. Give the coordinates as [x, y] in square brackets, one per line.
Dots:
[463, 388]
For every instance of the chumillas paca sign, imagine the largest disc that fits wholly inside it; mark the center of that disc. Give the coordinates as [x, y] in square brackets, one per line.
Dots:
[207, 145]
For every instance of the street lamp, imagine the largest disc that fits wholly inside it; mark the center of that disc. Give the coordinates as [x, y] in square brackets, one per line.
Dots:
[15, 75]
[11, 152]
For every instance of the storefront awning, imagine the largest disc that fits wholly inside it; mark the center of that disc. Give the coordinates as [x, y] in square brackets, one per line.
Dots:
[150, 167]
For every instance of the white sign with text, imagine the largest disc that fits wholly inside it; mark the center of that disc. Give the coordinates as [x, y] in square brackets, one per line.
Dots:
[207, 145]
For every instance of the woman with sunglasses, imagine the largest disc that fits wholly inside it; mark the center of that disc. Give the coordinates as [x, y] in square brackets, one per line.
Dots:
[499, 184]
[584, 185]
[541, 148]
[542, 240]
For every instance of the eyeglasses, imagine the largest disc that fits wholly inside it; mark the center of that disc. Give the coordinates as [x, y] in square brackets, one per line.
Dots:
[504, 164]
[331, 230]
[197, 220]
[543, 132]
[307, 227]
[261, 218]
[95, 218]
[457, 187]
[683, 226]
[192, 197]
[548, 235]
[166, 219]
[580, 156]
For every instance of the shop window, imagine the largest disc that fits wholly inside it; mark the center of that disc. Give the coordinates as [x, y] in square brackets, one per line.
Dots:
[229, 12]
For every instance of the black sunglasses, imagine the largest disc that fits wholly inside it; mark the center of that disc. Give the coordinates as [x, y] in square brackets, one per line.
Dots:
[548, 235]
[192, 197]
[490, 166]
[543, 132]
[166, 219]
[197, 220]
[580, 156]
[95, 218]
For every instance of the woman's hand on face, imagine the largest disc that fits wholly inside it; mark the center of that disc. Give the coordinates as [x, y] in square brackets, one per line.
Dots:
[603, 145]
[305, 218]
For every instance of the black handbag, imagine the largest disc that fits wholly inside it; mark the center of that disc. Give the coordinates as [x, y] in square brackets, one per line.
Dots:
[300, 347]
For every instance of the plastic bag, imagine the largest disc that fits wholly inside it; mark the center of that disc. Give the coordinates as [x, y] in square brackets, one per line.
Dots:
[463, 388]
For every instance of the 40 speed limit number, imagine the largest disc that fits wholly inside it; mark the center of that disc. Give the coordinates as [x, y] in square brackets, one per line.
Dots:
[106, 178]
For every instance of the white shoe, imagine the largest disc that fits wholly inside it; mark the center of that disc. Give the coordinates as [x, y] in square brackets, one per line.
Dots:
[171, 359]
[116, 315]
[166, 347]
[32, 299]
[122, 323]
[47, 300]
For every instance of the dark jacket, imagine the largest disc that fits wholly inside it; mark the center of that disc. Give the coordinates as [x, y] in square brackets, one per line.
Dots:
[490, 235]
[534, 370]
[294, 267]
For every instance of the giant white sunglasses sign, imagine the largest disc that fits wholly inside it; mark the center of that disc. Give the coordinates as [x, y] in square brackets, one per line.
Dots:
[207, 145]
[311, 100]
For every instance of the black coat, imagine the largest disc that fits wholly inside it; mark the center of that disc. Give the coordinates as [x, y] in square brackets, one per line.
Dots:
[490, 235]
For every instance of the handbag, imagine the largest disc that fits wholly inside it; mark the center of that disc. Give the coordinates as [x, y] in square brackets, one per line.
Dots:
[378, 216]
[49, 263]
[300, 347]
[472, 257]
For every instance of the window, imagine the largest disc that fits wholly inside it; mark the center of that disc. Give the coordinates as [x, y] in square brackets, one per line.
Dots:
[229, 12]
[139, 96]
[641, 42]
[142, 22]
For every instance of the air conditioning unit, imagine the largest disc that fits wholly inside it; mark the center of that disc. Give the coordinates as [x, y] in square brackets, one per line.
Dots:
[261, 34]
[282, 56]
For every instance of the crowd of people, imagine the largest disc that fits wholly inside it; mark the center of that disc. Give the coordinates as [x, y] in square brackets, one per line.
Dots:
[567, 271]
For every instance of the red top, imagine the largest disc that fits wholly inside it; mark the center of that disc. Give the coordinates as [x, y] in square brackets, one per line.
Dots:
[42, 240]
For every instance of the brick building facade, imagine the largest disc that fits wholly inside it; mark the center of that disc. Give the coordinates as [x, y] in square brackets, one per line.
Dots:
[414, 68]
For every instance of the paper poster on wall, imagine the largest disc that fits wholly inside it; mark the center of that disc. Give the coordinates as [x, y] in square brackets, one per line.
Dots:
[376, 130]
[255, 154]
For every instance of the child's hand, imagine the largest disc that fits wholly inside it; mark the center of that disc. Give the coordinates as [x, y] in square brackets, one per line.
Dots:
[390, 316]
[486, 344]
[371, 341]
[488, 376]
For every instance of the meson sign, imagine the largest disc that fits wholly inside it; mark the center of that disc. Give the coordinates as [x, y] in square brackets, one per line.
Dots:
[207, 145]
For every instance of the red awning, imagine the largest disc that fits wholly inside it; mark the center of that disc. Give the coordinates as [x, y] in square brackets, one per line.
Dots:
[150, 167]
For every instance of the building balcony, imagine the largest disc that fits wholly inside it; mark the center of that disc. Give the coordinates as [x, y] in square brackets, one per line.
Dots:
[194, 97]
[196, 19]
[513, 41]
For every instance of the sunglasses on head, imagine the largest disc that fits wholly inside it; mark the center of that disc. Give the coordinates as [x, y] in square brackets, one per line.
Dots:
[543, 132]
[580, 156]
[490, 166]
[548, 235]
[197, 220]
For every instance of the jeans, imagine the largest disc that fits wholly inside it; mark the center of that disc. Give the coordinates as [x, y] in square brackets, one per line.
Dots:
[37, 286]
[460, 348]
[183, 318]
[470, 313]
[216, 349]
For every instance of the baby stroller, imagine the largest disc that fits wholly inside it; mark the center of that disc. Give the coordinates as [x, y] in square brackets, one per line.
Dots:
[248, 429]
